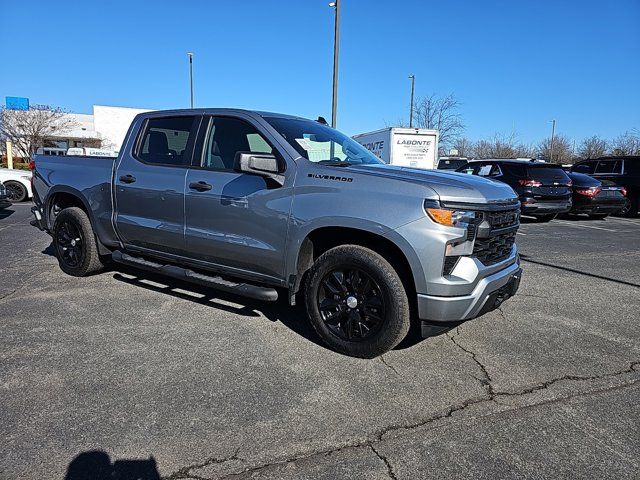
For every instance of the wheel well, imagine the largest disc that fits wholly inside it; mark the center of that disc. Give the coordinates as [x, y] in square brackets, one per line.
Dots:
[323, 239]
[60, 201]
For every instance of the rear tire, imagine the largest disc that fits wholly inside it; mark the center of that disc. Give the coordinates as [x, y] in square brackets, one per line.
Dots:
[75, 243]
[16, 191]
[356, 302]
[545, 218]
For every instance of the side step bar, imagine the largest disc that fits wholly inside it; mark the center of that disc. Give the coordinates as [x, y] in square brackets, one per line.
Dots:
[247, 290]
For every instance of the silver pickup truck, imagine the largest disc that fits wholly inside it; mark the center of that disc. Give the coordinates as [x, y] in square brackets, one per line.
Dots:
[258, 203]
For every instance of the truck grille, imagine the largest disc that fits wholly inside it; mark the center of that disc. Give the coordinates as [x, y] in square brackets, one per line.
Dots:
[494, 249]
[495, 244]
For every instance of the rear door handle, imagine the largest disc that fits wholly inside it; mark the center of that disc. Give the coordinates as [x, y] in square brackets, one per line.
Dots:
[200, 186]
[127, 179]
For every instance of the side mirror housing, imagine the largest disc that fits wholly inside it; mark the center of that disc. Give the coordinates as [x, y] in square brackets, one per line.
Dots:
[263, 164]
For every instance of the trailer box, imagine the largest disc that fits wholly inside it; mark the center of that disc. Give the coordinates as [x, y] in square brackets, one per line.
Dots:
[406, 147]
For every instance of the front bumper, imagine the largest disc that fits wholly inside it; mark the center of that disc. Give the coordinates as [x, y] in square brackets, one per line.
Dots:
[488, 294]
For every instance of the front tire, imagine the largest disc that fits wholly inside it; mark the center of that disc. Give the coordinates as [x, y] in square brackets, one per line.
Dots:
[75, 243]
[356, 302]
[16, 191]
[545, 218]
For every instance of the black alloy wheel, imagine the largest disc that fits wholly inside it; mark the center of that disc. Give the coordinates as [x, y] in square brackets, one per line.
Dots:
[70, 243]
[351, 304]
[16, 192]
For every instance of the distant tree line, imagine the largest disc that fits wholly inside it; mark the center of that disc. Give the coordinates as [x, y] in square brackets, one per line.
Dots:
[564, 149]
[442, 114]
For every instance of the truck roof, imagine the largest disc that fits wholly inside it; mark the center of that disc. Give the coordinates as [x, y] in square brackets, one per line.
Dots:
[217, 111]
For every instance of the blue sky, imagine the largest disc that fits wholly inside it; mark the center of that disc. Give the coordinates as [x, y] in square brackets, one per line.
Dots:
[514, 65]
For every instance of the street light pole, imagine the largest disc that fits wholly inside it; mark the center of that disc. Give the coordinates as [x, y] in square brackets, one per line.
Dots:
[553, 135]
[190, 54]
[413, 79]
[336, 51]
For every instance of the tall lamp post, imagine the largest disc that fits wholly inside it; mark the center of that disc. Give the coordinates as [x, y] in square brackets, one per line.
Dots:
[336, 51]
[190, 55]
[413, 79]
[553, 135]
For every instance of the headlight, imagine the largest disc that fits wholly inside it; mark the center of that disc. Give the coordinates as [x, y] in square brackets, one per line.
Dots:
[448, 217]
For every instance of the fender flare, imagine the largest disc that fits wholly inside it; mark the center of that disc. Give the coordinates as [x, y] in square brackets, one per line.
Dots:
[296, 240]
[46, 204]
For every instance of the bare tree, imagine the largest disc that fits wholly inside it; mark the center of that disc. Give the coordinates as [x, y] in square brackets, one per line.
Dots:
[463, 146]
[592, 147]
[562, 150]
[439, 113]
[501, 146]
[30, 129]
[626, 144]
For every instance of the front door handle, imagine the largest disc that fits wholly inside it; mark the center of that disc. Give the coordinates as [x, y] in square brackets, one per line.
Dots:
[127, 178]
[200, 186]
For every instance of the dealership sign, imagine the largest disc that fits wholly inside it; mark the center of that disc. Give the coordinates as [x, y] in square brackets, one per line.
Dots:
[17, 103]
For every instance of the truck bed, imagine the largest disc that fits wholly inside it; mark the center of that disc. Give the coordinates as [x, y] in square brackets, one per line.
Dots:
[90, 176]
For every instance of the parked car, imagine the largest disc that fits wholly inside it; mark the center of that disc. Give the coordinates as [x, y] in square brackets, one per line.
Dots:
[451, 163]
[623, 171]
[544, 188]
[247, 202]
[4, 197]
[17, 183]
[596, 198]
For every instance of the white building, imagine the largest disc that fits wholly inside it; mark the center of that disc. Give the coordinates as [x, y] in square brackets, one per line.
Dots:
[105, 129]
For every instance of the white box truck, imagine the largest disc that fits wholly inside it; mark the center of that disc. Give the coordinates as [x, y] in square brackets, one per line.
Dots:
[407, 147]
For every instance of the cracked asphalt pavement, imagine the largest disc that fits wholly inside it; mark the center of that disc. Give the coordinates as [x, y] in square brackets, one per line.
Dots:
[159, 379]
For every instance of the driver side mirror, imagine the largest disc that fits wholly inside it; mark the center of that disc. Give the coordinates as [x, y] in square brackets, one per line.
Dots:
[263, 164]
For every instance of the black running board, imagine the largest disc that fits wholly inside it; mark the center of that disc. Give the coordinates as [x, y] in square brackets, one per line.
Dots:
[246, 290]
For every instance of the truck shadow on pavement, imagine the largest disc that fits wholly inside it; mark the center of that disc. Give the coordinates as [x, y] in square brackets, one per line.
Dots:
[294, 318]
[96, 465]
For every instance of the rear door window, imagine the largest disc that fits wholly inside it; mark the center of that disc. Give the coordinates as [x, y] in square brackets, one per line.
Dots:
[470, 168]
[609, 167]
[167, 141]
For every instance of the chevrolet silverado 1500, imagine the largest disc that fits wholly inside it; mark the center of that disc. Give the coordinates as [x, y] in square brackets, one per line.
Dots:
[259, 203]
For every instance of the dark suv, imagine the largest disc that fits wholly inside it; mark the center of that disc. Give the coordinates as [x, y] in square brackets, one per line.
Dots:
[544, 188]
[623, 171]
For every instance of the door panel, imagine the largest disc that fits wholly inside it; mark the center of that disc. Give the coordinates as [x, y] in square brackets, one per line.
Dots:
[150, 182]
[240, 222]
[151, 209]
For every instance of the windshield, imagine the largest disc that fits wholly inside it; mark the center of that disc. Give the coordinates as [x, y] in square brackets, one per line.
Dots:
[321, 144]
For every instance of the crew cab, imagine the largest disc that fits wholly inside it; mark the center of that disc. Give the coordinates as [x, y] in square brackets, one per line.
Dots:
[261, 204]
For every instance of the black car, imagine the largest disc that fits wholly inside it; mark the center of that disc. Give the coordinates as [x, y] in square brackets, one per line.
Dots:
[544, 188]
[623, 171]
[596, 198]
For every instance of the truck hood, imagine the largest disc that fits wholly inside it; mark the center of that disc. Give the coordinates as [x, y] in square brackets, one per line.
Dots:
[449, 186]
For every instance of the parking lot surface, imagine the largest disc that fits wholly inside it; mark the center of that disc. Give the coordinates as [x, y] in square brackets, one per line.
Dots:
[175, 381]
